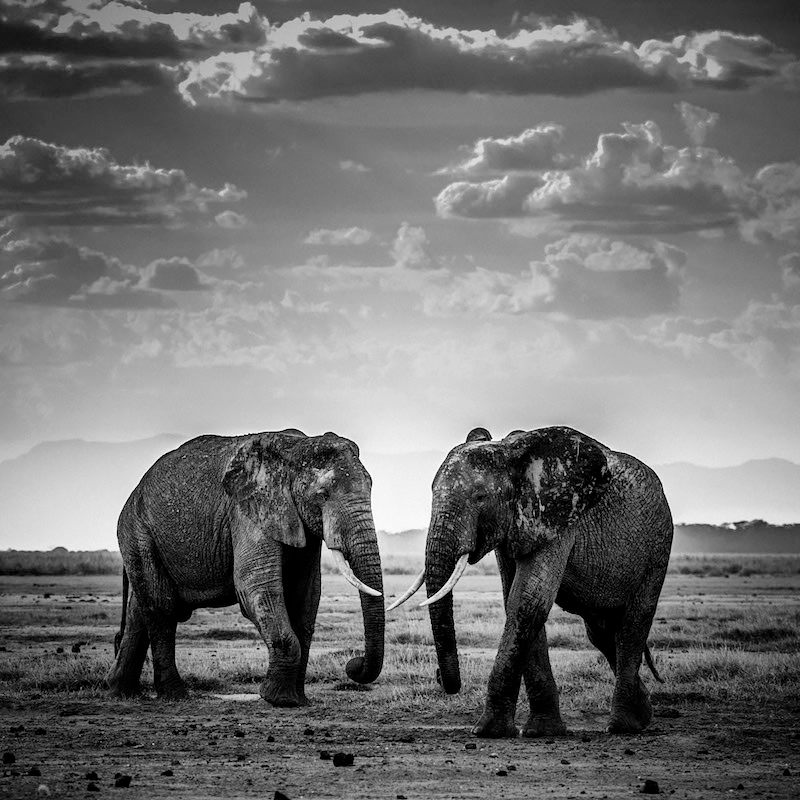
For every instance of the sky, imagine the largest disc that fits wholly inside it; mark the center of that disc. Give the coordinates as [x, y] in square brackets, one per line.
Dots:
[402, 220]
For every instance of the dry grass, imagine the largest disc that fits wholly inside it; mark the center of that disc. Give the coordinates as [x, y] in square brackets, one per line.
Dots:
[734, 638]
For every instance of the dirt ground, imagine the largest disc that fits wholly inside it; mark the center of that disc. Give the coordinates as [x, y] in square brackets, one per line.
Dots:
[217, 745]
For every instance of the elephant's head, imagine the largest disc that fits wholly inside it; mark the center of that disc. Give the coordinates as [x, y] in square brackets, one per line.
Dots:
[294, 487]
[521, 492]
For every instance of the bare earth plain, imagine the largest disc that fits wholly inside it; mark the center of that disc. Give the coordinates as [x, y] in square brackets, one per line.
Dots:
[726, 718]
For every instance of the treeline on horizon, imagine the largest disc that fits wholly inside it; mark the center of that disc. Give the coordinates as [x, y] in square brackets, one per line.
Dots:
[61, 561]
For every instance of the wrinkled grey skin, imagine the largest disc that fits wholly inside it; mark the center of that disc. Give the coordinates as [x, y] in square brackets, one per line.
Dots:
[570, 522]
[227, 519]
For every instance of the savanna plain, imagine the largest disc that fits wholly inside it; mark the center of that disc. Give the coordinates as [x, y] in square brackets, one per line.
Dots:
[726, 640]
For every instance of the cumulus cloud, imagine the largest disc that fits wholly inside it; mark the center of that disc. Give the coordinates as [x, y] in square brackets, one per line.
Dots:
[231, 221]
[582, 277]
[634, 182]
[535, 149]
[57, 272]
[698, 122]
[304, 59]
[48, 184]
[172, 274]
[339, 236]
[74, 48]
[240, 55]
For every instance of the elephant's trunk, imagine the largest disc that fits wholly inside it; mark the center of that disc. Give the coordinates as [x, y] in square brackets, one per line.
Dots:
[448, 539]
[352, 531]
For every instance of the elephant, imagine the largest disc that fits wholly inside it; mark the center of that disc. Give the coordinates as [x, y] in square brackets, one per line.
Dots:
[223, 519]
[571, 522]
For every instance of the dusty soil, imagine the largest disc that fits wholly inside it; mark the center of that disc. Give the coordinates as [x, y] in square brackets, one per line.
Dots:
[217, 746]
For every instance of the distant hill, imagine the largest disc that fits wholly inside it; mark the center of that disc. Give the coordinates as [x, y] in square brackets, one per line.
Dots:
[767, 489]
[70, 493]
[753, 536]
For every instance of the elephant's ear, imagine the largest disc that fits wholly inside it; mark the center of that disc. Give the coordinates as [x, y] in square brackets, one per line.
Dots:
[257, 478]
[561, 473]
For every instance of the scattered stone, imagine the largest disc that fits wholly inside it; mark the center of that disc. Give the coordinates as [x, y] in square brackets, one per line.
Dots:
[740, 786]
[565, 761]
[167, 773]
[308, 732]
[76, 648]
[650, 787]
[511, 768]
[501, 772]
[470, 746]
[324, 755]
[279, 796]
[59, 649]
[39, 732]
[17, 728]
[92, 787]
[401, 797]
[9, 757]
[629, 751]
[92, 776]
[122, 782]
[549, 741]
[35, 771]
[270, 738]
[703, 751]
[174, 763]
[239, 734]
[586, 738]
[43, 789]
[786, 772]
[342, 759]
[407, 739]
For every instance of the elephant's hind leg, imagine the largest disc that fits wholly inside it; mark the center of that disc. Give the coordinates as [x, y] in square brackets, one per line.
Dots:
[123, 679]
[631, 711]
[159, 608]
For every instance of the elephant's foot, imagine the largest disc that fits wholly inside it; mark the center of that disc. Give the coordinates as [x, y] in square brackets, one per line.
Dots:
[544, 725]
[496, 725]
[633, 714]
[281, 694]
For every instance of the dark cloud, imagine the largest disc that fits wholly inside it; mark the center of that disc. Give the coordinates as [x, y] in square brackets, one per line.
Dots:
[47, 184]
[172, 274]
[56, 272]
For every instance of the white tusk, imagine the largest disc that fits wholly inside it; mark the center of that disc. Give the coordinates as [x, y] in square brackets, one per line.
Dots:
[346, 570]
[418, 581]
[458, 571]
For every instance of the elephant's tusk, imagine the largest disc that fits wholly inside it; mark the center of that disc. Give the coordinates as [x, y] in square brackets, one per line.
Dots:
[346, 570]
[418, 581]
[458, 571]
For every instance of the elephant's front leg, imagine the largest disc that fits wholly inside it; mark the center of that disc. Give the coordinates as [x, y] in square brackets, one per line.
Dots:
[545, 715]
[258, 577]
[531, 596]
[302, 587]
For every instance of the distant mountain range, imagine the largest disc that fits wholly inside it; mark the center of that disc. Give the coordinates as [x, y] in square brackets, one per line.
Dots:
[69, 493]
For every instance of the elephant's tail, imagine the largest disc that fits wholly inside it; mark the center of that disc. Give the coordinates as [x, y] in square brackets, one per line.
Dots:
[121, 633]
[649, 660]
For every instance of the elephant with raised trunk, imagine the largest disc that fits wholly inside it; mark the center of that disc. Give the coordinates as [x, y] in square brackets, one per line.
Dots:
[227, 519]
[571, 522]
